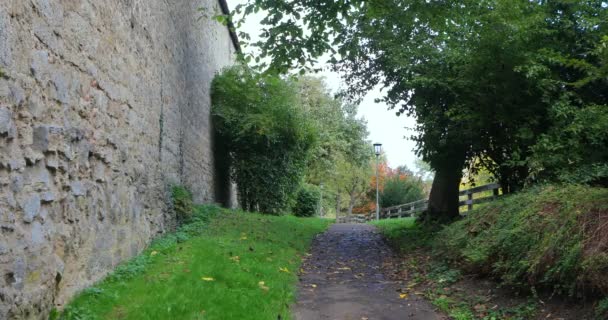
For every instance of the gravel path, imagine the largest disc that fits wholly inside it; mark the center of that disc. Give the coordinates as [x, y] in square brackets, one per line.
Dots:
[342, 280]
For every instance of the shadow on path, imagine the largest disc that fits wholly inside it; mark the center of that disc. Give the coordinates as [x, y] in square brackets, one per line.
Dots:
[342, 280]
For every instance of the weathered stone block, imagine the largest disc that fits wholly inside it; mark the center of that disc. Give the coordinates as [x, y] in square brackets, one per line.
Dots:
[7, 127]
[78, 188]
[38, 234]
[40, 64]
[31, 208]
[38, 178]
[47, 197]
[48, 138]
[52, 161]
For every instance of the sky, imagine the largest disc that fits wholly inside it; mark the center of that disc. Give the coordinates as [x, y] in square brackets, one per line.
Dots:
[384, 125]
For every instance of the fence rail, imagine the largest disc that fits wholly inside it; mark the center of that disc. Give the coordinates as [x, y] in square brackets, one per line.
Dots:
[412, 208]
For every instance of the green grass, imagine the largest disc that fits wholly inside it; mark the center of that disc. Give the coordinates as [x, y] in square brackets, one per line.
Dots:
[404, 233]
[552, 237]
[223, 265]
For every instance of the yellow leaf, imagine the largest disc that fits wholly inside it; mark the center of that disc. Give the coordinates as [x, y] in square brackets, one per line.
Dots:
[403, 296]
[207, 279]
[313, 285]
[263, 286]
[284, 270]
[153, 253]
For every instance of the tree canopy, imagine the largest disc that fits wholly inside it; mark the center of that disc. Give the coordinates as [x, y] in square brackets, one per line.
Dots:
[267, 134]
[496, 84]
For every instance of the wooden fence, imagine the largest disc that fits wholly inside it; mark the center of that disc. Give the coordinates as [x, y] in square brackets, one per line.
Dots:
[413, 208]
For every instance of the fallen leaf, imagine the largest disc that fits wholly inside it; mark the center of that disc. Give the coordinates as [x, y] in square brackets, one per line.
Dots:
[403, 296]
[284, 269]
[263, 286]
[313, 285]
[153, 253]
[207, 279]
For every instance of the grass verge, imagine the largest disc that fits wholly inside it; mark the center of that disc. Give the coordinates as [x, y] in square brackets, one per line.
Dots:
[222, 265]
[552, 239]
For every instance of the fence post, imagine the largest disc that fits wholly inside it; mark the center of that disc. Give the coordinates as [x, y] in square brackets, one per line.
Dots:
[470, 204]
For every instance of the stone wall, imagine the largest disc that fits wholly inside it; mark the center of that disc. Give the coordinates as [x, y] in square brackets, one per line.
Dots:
[103, 105]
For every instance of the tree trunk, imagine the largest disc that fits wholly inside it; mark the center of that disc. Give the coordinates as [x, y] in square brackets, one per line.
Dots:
[338, 207]
[443, 200]
[351, 204]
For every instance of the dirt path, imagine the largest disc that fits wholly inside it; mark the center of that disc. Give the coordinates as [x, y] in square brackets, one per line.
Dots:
[342, 280]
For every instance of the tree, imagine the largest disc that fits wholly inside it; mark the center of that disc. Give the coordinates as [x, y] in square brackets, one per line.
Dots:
[353, 180]
[340, 158]
[482, 77]
[400, 189]
[267, 135]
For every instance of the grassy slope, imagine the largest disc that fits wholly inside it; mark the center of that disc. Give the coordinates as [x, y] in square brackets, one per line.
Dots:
[236, 266]
[554, 237]
[404, 234]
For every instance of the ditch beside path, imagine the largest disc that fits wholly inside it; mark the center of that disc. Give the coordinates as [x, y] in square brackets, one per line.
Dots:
[342, 279]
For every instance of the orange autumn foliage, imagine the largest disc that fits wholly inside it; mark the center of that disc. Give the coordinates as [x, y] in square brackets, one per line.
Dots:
[384, 172]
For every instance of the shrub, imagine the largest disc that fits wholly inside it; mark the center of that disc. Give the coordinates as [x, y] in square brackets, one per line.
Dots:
[307, 201]
[601, 310]
[182, 203]
[552, 237]
[400, 189]
[576, 150]
[268, 137]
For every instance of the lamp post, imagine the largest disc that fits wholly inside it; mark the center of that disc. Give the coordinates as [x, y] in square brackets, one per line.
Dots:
[321, 200]
[377, 151]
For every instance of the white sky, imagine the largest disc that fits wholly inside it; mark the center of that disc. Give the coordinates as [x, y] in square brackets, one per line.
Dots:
[384, 126]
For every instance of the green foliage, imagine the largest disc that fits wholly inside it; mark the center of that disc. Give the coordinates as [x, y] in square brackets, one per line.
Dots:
[601, 311]
[307, 202]
[399, 189]
[182, 203]
[405, 234]
[267, 134]
[240, 254]
[444, 274]
[340, 160]
[544, 237]
[575, 150]
[483, 78]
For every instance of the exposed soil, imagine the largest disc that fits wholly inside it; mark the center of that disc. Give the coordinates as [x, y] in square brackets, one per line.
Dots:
[484, 295]
[343, 279]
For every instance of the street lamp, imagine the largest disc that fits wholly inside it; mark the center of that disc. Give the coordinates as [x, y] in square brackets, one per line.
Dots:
[377, 151]
[321, 200]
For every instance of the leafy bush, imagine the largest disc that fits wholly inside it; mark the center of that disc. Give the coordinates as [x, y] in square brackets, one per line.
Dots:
[554, 237]
[182, 203]
[601, 311]
[307, 201]
[266, 133]
[576, 149]
[400, 189]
